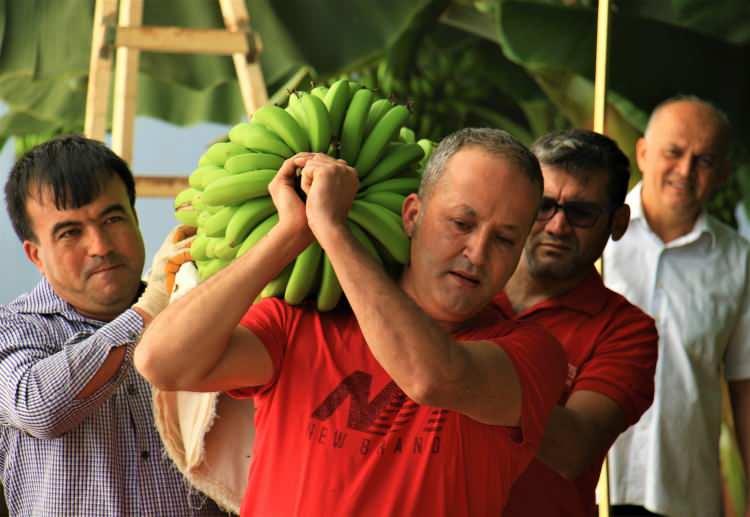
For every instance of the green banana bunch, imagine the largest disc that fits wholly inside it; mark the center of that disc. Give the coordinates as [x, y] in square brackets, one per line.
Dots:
[229, 203]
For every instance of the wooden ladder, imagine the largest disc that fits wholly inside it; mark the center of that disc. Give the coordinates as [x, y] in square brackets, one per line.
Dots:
[126, 35]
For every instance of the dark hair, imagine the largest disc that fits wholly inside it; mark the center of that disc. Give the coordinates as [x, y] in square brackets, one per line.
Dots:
[494, 141]
[73, 167]
[580, 151]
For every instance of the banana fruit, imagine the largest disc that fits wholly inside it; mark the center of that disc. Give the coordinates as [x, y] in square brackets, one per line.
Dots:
[229, 203]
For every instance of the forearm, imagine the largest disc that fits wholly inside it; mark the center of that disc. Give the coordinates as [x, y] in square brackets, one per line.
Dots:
[189, 337]
[48, 395]
[580, 432]
[409, 345]
[565, 447]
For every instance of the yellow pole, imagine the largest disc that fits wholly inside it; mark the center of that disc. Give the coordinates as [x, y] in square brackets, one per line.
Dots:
[600, 103]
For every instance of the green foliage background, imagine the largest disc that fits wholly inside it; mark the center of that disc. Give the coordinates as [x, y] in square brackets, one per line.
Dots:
[535, 60]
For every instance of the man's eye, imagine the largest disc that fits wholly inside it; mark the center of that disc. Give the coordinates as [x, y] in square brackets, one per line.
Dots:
[113, 219]
[505, 241]
[461, 225]
[68, 234]
[706, 161]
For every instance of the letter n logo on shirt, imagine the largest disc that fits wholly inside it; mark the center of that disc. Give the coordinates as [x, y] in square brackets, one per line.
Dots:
[362, 411]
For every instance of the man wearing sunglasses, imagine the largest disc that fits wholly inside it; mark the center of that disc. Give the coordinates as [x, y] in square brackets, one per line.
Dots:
[610, 344]
[691, 273]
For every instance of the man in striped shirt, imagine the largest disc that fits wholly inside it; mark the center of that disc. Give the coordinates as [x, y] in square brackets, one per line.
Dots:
[76, 428]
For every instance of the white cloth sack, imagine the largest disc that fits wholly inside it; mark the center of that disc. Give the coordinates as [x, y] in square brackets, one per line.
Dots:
[209, 436]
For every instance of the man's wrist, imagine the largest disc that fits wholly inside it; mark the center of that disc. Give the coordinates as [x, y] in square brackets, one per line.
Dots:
[145, 316]
[331, 232]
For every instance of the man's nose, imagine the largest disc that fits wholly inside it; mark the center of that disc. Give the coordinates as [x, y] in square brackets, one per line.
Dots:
[558, 224]
[685, 165]
[99, 242]
[476, 248]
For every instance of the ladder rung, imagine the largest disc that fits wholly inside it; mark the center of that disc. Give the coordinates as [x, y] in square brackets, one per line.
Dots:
[159, 186]
[184, 40]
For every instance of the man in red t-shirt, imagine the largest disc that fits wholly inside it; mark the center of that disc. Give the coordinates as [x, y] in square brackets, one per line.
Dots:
[416, 398]
[611, 345]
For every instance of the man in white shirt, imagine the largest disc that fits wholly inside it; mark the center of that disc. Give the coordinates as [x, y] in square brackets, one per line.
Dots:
[690, 273]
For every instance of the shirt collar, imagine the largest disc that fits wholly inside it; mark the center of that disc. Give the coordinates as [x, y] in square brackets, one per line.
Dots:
[589, 297]
[703, 224]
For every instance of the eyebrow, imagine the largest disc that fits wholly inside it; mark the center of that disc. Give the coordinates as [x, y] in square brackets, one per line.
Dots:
[468, 211]
[62, 225]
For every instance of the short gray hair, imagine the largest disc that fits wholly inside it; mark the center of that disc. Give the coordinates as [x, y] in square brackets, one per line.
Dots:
[493, 141]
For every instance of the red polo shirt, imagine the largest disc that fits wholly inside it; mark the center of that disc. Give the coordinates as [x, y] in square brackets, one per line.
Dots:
[611, 347]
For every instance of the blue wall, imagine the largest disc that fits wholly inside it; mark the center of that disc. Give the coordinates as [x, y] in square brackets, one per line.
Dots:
[159, 149]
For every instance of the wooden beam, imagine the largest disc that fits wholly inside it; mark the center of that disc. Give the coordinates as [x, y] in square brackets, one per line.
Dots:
[159, 186]
[247, 63]
[126, 84]
[182, 40]
[100, 70]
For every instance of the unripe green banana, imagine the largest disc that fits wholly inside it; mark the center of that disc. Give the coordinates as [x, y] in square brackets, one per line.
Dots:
[337, 100]
[376, 141]
[320, 92]
[188, 216]
[211, 243]
[237, 188]
[277, 286]
[304, 274]
[318, 123]
[198, 202]
[198, 248]
[223, 250]
[248, 216]
[396, 159]
[407, 135]
[185, 197]
[364, 240]
[391, 200]
[202, 217]
[353, 128]
[404, 186]
[220, 152]
[283, 124]
[329, 292]
[211, 176]
[378, 109]
[260, 139]
[384, 225]
[257, 234]
[294, 108]
[252, 162]
[215, 225]
[208, 268]
[195, 180]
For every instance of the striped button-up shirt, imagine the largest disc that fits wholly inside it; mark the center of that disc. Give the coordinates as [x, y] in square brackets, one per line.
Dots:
[93, 457]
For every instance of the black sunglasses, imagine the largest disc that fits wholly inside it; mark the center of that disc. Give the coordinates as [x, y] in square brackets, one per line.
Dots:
[581, 214]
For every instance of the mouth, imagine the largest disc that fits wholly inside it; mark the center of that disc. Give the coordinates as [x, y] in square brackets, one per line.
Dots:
[105, 269]
[682, 186]
[554, 246]
[465, 278]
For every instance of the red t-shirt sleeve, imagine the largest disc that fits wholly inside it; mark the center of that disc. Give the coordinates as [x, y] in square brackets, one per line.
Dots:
[541, 366]
[268, 320]
[624, 363]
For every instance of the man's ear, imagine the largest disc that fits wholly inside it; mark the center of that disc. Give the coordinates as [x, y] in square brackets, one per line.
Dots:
[620, 221]
[410, 213]
[31, 250]
[640, 152]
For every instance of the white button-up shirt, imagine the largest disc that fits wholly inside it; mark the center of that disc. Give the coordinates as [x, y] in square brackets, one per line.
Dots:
[696, 288]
